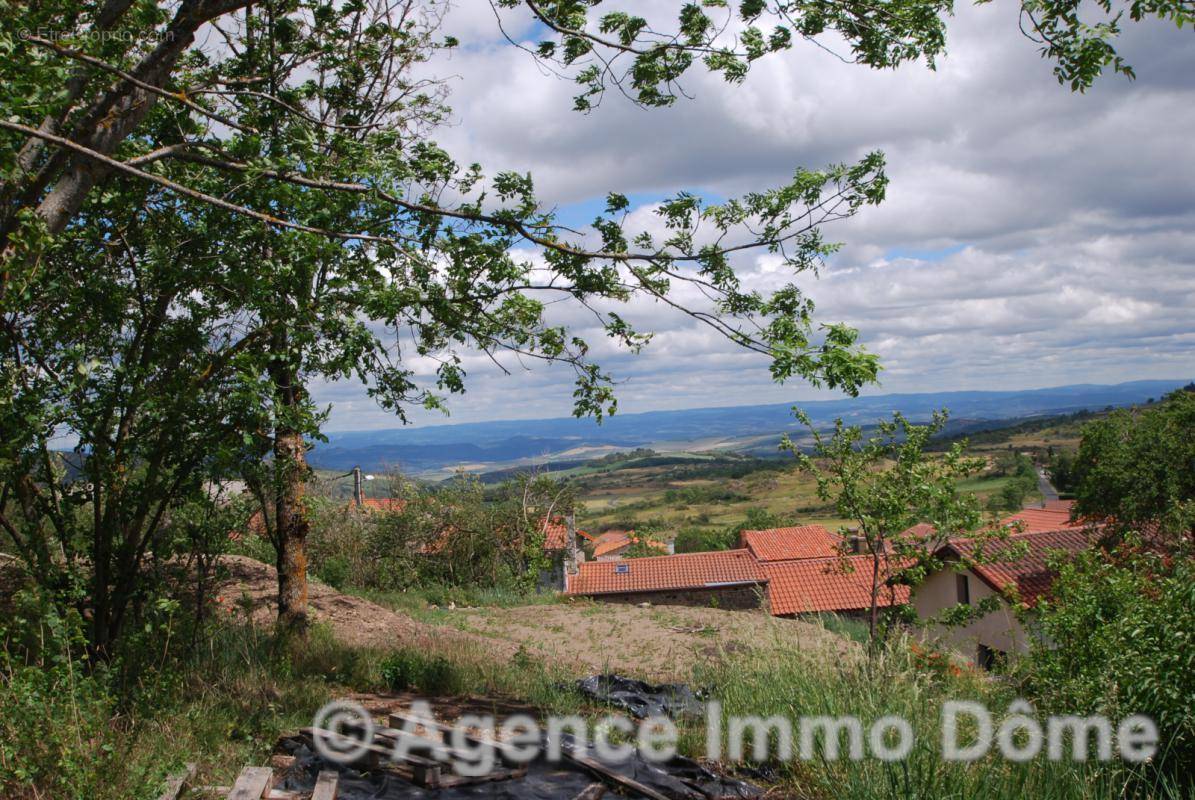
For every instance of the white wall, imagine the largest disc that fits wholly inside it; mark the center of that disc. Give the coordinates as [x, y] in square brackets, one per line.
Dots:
[999, 630]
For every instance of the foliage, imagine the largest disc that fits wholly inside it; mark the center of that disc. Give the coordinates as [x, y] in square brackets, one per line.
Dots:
[1022, 481]
[692, 495]
[1117, 637]
[459, 536]
[1134, 468]
[887, 484]
[1081, 50]
[1061, 469]
[130, 350]
[647, 59]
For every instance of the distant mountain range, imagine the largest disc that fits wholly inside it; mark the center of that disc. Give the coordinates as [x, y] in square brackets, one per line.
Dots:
[486, 445]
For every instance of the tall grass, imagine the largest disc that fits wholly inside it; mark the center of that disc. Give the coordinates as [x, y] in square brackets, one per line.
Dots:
[804, 684]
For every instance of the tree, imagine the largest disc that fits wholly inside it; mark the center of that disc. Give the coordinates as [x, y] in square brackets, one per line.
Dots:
[301, 126]
[136, 352]
[904, 503]
[1134, 470]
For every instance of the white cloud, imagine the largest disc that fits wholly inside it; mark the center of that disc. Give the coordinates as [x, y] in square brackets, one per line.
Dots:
[1031, 236]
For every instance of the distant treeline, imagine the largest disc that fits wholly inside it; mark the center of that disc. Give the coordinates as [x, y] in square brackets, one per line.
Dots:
[1000, 431]
[683, 465]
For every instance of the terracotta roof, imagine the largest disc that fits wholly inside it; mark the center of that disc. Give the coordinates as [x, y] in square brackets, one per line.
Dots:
[383, 504]
[1029, 576]
[556, 534]
[825, 584]
[783, 544]
[921, 531]
[611, 541]
[662, 573]
[1054, 516]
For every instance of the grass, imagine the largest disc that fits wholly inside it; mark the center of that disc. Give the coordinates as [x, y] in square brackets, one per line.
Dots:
[431, 603]
[229, 702]
[796, 685]
[789, 494]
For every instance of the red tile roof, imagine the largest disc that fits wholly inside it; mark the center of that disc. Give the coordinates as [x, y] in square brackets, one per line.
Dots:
[662, 573]
[1029, 577]
[1054, 516]
[556, 534]
[827, 584]
[784, 544]
[383, 504]
[610, 541]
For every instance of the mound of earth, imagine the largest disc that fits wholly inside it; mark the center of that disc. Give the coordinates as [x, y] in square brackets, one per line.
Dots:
[248, 583]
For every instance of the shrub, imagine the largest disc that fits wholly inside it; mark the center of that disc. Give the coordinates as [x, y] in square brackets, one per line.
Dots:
[1118, 638]
[433, 675]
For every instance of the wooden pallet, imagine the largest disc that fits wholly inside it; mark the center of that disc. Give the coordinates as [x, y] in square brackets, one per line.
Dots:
[257, 783]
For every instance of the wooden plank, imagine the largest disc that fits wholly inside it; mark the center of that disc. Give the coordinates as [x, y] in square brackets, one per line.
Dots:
[396, 721]
[594, 791]
[252, 783]
[604, 772]
[174, 784]
[592, 765]
[325, 785]
[374, 753]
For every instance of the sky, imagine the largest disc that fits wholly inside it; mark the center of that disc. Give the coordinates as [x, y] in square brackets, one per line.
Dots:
[1030, 237]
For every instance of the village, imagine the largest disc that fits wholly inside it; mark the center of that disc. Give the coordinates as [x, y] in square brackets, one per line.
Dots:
[807, 570]
[595, 399]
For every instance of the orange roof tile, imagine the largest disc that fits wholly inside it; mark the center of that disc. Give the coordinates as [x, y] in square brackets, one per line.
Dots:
[1054, 516]
[1029, 576]
[610, 542]
[661, 573]
[783, 544]
[826, 584]
[556, 534]
[383, 504]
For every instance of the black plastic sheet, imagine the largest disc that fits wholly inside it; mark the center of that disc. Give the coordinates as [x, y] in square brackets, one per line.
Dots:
[641, 699]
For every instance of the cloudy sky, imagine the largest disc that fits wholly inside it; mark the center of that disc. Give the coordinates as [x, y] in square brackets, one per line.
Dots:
[1031, 237]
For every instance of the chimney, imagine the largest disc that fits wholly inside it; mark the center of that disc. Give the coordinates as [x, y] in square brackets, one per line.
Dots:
[855, 542]
[358, 488]
[570, 546]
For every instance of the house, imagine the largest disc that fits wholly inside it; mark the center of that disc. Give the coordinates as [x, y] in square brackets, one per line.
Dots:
[726, 578]
[562, 545]
[1020, 583]
[787, 544]
[611, 545]
[556, 534]
[840, 585]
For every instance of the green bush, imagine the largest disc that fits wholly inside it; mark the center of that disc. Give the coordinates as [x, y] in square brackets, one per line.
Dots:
[335, 571]
[432, 675]
[1118, 638]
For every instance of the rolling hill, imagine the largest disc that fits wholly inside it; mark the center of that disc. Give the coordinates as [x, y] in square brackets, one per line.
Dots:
[439, 449]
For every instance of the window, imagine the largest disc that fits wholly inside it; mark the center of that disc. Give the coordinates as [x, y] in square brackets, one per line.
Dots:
[988, 657]
[964, 589]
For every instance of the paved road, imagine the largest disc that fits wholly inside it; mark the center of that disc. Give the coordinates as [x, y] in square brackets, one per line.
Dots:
[1048, 492]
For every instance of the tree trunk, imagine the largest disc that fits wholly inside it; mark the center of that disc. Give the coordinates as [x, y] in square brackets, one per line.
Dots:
[291, 522]
[290, 476]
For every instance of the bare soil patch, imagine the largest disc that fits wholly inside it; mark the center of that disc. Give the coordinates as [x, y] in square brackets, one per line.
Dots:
[655, 643]
[250, 584]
